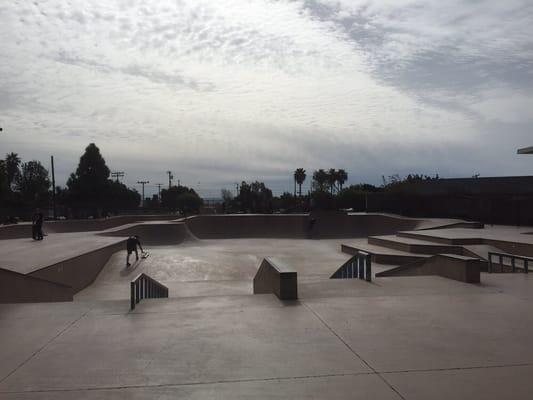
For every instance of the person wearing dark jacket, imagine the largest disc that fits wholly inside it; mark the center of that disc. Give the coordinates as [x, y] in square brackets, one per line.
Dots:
[131, 246]
[37, 225]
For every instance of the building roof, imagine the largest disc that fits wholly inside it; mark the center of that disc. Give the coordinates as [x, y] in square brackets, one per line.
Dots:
[525, 150]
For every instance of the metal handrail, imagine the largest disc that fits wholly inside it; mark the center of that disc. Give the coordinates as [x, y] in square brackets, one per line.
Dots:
[144, 287]
[512, 257]
[359, 266]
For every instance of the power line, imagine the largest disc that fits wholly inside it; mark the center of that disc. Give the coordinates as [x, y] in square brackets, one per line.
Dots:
[117, 174]
[143, 183]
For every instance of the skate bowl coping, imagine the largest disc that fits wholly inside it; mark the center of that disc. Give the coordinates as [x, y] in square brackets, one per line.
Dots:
[273, 276]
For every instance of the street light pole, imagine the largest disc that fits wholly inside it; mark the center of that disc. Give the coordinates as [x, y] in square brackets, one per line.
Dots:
[53, 185]
[142, 183]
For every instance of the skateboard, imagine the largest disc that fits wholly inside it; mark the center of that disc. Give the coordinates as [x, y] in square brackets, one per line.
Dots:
[145, 255]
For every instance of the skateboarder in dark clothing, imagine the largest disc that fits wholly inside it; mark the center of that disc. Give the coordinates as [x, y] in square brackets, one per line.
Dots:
[37, 225]
[131, 246]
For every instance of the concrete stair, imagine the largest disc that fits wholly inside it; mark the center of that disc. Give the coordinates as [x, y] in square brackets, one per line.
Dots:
[413, 246]
[439, 239]
[383, 255]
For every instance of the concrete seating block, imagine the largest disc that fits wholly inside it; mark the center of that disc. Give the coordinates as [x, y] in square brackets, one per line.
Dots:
[275, 277]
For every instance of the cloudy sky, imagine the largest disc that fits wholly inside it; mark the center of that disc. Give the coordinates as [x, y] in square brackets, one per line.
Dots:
[221, 91]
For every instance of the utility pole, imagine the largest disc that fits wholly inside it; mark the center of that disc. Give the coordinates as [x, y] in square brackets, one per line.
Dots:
[53, 185]
[159, 190]
[143, 183]
[170, 176]
[117, 174]
[236, 189]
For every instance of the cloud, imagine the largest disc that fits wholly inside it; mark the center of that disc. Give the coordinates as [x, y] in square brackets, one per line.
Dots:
[224, 91]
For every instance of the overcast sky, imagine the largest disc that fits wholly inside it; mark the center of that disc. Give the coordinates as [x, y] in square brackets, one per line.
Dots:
[221, 91]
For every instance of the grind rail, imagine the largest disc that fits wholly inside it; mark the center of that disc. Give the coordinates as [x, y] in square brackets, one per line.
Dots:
[359, 266]
[503, 256]
[144, 287]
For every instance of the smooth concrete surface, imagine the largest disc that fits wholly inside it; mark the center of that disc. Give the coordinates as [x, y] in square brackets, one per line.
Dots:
[214, 267]
[415, 337]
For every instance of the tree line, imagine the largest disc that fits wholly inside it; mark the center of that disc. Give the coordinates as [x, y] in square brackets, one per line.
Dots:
[89, 190]
[326, 192]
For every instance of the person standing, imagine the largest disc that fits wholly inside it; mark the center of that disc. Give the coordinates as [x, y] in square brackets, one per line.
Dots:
[37, 221]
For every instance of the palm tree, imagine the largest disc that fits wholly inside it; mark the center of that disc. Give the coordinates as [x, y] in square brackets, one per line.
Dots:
[299, 178]
[342, 176]
[331, 179]
[12, 167]
[320, 177]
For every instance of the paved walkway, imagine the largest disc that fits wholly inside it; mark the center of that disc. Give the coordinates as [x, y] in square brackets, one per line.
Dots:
[399, 338]
[395, 338]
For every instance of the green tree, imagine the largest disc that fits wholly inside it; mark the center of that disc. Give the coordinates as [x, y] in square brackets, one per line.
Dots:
[299, 177]
[33, 184]
[12, 165]
[320, 178]
[120, 197]
[342, 176]
[90, 185]
[3, 181]
[331, 179]
[254, 197]
[182, 199]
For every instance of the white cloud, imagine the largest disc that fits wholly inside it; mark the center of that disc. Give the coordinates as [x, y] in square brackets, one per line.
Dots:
[223, 91]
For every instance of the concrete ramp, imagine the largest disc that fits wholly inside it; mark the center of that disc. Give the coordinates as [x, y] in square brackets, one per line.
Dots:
[20, 288]
[155, 233]
[452, 266]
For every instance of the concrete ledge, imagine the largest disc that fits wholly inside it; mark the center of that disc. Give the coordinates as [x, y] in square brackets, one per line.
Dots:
[275, 277]
[19, 288]
[452, 266]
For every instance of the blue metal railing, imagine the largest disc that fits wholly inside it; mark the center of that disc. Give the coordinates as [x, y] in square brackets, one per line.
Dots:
[513, 258]
[144, 287]
[359, 266]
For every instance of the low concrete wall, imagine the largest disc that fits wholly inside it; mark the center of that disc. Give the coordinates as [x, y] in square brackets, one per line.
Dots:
[23, 230]
[452, 266]
[325, 225]
[19, 288]
[248, 226]
[275, 277]
[79, 272]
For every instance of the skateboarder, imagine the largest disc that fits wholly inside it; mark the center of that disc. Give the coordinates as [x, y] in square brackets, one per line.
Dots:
[131, 246]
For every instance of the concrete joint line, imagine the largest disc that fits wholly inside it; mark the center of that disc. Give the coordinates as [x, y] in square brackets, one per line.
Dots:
[177, 385]
[353, 351]
[407, 371]
[43, 347]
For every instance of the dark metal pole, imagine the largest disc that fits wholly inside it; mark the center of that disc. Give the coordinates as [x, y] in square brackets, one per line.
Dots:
[132, 296]
[53, 186]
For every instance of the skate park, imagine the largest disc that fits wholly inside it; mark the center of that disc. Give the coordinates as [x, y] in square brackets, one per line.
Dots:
[415, 328]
